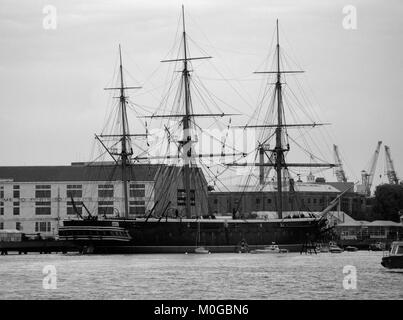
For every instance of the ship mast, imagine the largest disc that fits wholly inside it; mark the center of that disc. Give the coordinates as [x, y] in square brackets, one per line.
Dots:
[279, 148]
[187, 144]
[124, 154]
[186, 116]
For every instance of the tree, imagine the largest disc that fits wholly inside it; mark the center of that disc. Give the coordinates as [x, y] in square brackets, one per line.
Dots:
[388, 202]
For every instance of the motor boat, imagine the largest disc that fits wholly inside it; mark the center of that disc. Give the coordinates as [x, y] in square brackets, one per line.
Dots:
[379, 246]
[395, 258]
[351, 249]
[274, 248]
[201, 250]
[322, 248]
[334, 248]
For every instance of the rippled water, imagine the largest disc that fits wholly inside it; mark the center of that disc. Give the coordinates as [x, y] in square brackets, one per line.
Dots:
[214, 276]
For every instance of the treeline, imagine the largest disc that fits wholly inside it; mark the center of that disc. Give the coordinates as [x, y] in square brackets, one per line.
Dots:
[388, 202]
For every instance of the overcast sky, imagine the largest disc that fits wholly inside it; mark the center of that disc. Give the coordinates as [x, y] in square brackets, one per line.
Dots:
[52, 99]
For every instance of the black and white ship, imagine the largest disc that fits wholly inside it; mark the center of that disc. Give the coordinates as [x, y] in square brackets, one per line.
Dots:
[158, 232]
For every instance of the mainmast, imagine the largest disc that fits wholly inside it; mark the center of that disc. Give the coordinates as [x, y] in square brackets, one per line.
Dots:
[187, 115]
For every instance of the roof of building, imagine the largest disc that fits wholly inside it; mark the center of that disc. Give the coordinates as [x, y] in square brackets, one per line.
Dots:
[272, 187]
[342, 186]
[77, 172]
[385, 223]
[347, 221]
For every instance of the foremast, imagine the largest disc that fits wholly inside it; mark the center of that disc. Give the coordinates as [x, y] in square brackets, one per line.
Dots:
[279, 151]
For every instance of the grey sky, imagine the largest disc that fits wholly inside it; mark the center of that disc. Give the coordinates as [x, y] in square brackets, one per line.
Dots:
[52, 100]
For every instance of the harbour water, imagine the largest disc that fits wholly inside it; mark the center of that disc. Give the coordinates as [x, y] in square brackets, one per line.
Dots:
[213, 276]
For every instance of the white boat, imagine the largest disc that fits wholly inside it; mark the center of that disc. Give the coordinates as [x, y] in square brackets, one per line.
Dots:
[201, 250]
[395, 258]
[334, 248]
[322, 249]
[274, 248]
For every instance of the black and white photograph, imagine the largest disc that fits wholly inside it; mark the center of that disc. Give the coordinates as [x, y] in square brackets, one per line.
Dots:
[215, 152]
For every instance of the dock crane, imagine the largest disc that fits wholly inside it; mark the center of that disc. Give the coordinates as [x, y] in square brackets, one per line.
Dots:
[340, 174]
[390, 168]
[368, 177]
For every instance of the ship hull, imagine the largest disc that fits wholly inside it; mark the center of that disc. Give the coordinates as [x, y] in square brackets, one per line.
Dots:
[179, 236]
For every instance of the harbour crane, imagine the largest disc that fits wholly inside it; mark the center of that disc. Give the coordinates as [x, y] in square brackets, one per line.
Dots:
[390, 168]
[368, 177]
[340, 174]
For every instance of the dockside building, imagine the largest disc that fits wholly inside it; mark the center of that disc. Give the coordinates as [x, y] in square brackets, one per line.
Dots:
[35, 199]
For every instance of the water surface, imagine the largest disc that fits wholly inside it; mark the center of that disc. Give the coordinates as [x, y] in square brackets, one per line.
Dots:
[214, 276]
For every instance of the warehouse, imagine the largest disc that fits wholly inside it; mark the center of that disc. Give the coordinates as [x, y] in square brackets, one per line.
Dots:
[34, 199]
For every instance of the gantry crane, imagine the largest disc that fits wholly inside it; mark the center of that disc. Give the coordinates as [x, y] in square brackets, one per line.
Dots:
[390, 168]
[368, 177]
[340, 174]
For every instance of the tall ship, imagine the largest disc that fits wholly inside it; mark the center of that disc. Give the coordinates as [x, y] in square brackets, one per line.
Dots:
[179, 219]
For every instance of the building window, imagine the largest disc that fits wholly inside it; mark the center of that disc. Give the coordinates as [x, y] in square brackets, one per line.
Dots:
[236, 204]
[309, 200]
[42, 191]
[216, 201]
[257, 203]
[137, 207]
[16, 191]
[70, 208]
[74, 190]
[18, 225]
[137, 190]
[1, 225]
[105, 207]
[105, 191]
[16, 208]
[42, 226]
[314, 201]
[2, 192]
[269, 200]
[42, 208]
[1, 208]
[181, 197]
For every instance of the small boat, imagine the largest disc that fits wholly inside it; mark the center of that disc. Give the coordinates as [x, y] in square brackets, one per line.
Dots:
[379, 246]
[334, 248]
[322, 248]
[395, 258]
[201, 250]
[351, 249]
[274, 248]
